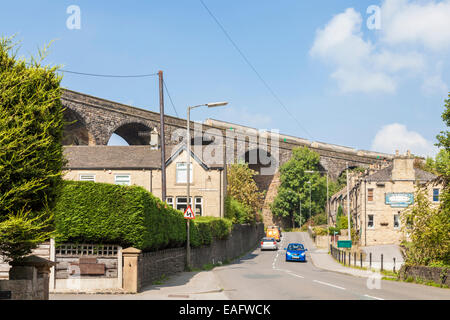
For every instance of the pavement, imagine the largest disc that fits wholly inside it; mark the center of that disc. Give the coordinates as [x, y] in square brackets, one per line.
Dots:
[201, 285]
[321, 259]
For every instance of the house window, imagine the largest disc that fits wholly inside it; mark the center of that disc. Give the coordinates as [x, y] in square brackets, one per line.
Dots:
[396, 220]
[370, 195]
[435, 195]
[181, 175]
[370, 223]
[182, 203]
[87, 177]
[169, 201]
[198, 206]
[122, 179]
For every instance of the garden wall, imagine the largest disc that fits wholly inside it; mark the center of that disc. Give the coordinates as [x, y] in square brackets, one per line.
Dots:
[152, 266]
[435, 274]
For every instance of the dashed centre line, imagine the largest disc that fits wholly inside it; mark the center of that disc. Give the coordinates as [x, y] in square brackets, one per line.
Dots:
[329, 284]
[295, 275]
[372, 297]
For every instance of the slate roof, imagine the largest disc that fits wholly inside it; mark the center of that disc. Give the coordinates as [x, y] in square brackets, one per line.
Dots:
[385, 174]
[112, 157]
[122, 157]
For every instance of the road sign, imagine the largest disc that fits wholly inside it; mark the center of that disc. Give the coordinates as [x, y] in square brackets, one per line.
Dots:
[344, 243]
[189, 213]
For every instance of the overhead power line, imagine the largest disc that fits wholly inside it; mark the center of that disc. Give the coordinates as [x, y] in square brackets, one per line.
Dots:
[124, 76]
[109, 75]
[272, 92]
[170, 98]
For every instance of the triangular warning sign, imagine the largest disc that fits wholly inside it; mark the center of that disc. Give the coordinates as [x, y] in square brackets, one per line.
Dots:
[189, 213]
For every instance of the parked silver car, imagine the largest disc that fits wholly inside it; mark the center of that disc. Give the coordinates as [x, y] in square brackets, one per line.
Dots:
[269, 244]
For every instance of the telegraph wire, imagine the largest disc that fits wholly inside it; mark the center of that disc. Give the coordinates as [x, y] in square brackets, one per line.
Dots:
[170, 98]
[124, 76]
[272, 92]
[108, 75]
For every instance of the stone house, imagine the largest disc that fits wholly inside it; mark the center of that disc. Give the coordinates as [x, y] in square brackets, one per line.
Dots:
[378, 197]
[141, 166]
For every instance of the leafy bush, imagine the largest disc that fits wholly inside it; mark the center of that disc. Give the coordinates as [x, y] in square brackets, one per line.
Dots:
[220, 228]
[242, 187]
[429, 231]
[319, 231]
[319, 219]
[129, 216]
[332, 230]
[236, 211]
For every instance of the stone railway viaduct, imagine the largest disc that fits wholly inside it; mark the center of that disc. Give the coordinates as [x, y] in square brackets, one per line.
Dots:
[92, 121]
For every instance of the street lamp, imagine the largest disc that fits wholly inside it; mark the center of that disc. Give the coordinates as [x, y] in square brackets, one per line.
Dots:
[188, 157]
[327, 206]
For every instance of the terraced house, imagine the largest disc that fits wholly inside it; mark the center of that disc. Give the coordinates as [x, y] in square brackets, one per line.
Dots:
[141, 166]
[378, 197]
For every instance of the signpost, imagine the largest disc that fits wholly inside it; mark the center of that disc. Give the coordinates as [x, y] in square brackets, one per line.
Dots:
[188, 215]
[344, 243]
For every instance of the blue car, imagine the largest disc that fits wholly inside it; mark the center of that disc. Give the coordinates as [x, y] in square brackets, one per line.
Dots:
[296, 252]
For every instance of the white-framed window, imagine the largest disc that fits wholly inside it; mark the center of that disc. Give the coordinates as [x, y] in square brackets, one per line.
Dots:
[122, 179]
[198, 206]
[370, 221]
[87, 177]
[396, 221]
[181, 174]
[181, 203]
[169, 201]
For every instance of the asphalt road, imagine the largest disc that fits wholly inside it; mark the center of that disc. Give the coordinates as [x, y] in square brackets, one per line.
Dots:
[263, 275]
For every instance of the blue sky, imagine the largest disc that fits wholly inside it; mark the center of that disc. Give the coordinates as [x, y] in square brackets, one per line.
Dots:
[374, 89]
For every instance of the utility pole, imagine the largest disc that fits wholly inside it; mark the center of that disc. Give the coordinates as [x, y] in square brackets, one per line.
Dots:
[162, 137]
[188, 185]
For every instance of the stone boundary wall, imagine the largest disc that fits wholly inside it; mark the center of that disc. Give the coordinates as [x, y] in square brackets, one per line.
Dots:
[28, 281]
[152, 266]
[42, 250]
[436, 274]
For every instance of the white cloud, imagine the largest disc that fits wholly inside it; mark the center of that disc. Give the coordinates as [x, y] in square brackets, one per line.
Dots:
[425, 23]
[396, 136]
[434, 84]
[359, 66]
[410, 34]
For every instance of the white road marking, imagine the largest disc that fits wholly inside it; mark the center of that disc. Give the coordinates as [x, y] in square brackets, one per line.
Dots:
[366, 295]
[295, 275]
[329, 284]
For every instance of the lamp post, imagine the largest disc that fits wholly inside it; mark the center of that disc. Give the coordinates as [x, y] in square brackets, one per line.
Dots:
[188, 163]
[327, 205]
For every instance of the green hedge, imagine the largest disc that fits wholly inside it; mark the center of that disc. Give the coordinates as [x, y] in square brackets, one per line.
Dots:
[88, 212]
[236, 211]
